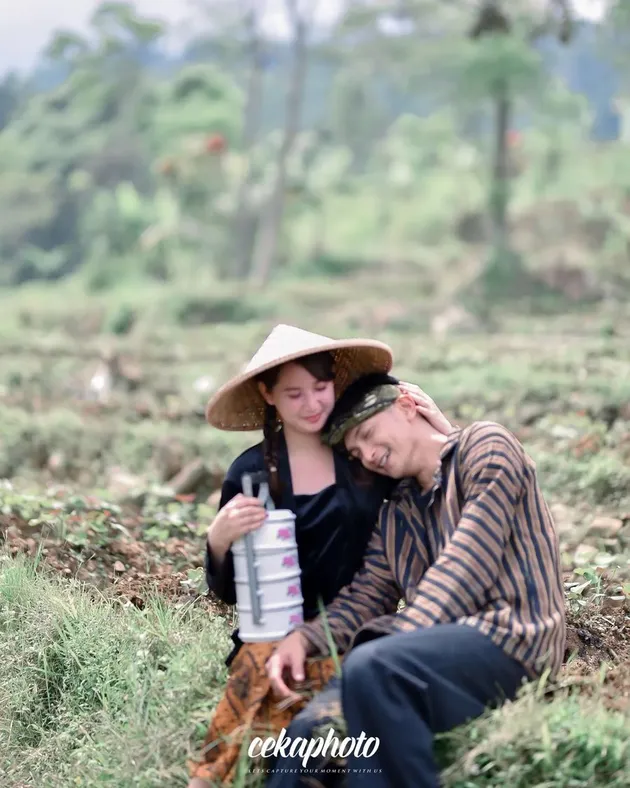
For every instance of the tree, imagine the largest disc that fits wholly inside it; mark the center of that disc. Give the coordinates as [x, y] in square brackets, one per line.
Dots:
[300, 14]
[243, 219]
[86, 126]
[505, 67]
[468, 54]
[615, 40]
[11, 93]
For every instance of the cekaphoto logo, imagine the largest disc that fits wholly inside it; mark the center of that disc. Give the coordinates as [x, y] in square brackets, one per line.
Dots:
[361, 747]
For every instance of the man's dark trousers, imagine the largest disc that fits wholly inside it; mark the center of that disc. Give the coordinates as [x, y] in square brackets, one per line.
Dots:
[405, 688]
[402, 689]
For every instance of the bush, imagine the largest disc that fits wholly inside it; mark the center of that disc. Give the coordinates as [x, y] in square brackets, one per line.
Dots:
[122, 320]
[199, 310]
[93, 446]
[332, 265]
[601, 478]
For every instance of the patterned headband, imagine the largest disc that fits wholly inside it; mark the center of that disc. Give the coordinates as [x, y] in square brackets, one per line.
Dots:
[373, 401]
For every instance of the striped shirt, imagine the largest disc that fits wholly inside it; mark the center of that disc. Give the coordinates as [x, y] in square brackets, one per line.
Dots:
[480, 549]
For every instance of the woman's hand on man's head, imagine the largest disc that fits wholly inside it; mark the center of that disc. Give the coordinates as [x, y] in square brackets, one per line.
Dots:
[427, 408]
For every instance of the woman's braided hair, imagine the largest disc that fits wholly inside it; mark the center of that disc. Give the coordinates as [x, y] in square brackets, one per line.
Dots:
[322, 368]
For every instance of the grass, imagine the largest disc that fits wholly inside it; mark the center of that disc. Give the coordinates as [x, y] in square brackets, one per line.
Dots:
[564, 743]
[94, 693]
[566, 377]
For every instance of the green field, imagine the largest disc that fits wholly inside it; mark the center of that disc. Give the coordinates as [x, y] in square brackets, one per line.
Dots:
[111, 655]
[441, 189]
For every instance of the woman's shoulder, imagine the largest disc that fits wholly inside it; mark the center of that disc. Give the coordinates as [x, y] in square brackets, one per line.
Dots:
[251, 460]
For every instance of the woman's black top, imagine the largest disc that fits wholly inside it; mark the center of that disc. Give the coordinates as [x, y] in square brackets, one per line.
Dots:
[333, 528]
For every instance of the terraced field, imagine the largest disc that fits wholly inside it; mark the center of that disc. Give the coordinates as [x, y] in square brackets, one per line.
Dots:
[111, 651]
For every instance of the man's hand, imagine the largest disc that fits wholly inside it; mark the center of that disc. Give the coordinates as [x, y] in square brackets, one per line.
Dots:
[291, 655]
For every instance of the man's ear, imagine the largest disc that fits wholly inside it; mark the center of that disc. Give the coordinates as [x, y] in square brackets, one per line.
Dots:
[266, 395]
[407, 406]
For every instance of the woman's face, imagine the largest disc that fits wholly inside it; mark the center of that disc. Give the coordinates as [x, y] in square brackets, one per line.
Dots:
[303, 402]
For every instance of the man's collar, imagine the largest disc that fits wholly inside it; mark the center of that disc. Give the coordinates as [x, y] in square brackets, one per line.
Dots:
[447, 449]
[451, 442]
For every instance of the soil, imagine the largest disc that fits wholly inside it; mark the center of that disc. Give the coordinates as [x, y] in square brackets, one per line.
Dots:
[597, 656]
[128, 568]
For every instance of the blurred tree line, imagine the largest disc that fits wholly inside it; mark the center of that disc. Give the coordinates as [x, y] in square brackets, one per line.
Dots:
[405, 122]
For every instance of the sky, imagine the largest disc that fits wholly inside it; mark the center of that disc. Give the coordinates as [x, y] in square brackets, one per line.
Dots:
[27, 25]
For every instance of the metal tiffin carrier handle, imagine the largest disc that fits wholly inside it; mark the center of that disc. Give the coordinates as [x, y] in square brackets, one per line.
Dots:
[255, 593]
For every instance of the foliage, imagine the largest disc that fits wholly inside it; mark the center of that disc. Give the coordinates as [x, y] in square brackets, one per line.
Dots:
[118, 173]
[129, 195]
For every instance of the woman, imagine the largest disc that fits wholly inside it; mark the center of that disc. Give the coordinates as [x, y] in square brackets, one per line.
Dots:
[288, 390]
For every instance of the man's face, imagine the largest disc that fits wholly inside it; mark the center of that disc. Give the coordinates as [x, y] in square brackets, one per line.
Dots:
[383, 443]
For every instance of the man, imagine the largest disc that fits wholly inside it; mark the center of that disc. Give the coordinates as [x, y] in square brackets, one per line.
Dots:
[468, 542]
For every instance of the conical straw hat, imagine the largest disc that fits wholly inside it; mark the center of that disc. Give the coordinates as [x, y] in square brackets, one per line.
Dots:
[239, 406]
